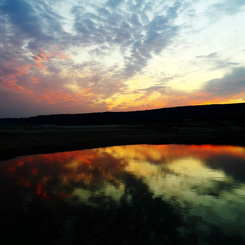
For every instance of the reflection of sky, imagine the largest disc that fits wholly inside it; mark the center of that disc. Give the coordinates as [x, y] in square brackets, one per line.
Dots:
[185, 176]
[209, 194]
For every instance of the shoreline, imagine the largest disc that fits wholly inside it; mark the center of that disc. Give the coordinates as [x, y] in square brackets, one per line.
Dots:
[19, 141]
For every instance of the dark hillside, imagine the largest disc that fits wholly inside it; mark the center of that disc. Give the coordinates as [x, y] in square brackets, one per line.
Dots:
[201, 112]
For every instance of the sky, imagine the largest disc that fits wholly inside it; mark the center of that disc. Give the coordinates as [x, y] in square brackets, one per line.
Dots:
[80, 56]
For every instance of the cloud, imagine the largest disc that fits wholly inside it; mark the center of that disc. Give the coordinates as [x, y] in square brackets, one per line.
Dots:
[137, 36]
[231, 84]
[228, 89]
[52, 51]
[37, 26]
[114, 4]
[209, 56]
[22, 16]
[29, 28]
[32, 24]
[234, 63]
[215, 61]
[153, 38]
[230, 7]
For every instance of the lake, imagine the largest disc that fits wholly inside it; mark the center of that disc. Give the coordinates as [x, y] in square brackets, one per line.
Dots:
[136, 194]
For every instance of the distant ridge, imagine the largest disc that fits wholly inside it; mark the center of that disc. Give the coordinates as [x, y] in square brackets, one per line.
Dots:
[198, 112]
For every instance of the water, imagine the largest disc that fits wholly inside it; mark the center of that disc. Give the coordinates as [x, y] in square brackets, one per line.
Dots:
[140, 194]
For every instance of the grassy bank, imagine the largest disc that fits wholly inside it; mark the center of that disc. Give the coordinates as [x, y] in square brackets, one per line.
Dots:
[17, 141]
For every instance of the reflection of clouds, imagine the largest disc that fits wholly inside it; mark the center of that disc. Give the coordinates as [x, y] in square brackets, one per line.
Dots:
[109, 191]
[166, 153]
[56, 175]
[191, 167]
[139, 152]
[141, 168]
[179, 178]
[195, 186]
[181, 175]
[224, 212]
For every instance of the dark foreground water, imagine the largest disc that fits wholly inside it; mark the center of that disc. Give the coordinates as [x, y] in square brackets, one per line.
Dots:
[140, 194]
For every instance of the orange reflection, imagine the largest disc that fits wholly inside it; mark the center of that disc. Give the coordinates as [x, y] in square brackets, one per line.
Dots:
[34, 171]
[54, 175]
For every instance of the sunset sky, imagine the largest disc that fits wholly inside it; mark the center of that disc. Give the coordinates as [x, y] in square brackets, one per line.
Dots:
[79, 56]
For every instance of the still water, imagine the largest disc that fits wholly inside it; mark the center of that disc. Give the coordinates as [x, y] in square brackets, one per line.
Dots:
[138, 194]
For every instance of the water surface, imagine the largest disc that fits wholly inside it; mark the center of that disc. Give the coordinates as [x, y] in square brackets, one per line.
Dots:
[140, 194]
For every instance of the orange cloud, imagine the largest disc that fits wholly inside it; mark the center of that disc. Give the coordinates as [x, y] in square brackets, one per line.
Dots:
[11, 80]
[12, 84]
[41, 57]
[52, 96]
[44, 56]
[60, 96]
[35, 80]
[61, 56]
[173, 99]
[202, 98]
[38, 61]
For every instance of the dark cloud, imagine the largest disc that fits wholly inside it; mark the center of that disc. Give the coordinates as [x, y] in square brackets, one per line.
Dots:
[231, 84]
[157, 88]
[209, 56]
[33, 24]
[22, 16]
[233, 63]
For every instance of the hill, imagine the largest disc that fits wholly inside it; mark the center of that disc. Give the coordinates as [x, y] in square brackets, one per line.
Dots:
[207, 124]
[200, 112]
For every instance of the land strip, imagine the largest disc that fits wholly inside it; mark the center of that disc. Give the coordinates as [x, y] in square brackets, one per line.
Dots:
[16, 141]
